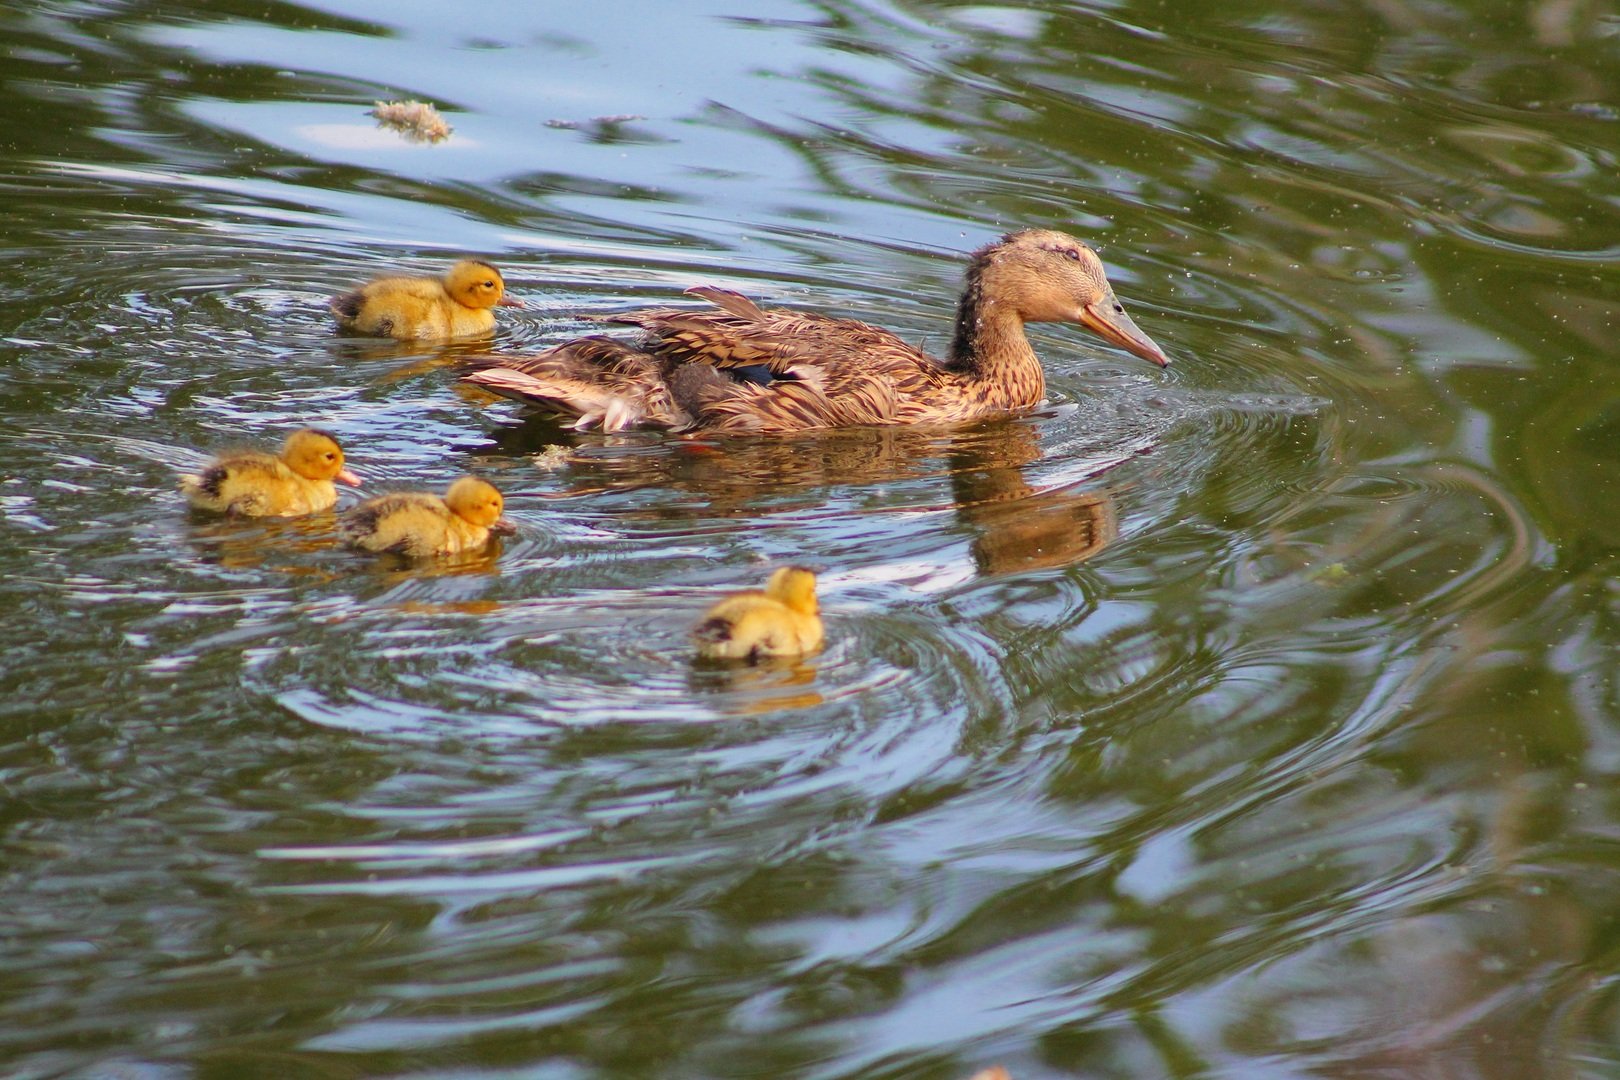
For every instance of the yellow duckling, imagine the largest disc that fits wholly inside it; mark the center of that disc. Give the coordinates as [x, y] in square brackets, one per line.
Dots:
[255, 484]
[784, 620]
[416, 523]
[456, 305]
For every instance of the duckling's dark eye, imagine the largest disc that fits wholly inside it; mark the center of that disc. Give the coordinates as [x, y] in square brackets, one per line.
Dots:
[489, 284]
[1120, 308]
[330, 456]
[1071, 253]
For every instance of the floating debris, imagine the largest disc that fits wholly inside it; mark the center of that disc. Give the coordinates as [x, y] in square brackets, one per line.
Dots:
[416, 120]
[595, 121]
[553, 457]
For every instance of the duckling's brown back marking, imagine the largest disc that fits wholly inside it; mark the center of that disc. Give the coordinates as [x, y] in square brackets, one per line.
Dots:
[348, 305]
[363, 519]
[718, 631]
[713, 631]
[211, 480]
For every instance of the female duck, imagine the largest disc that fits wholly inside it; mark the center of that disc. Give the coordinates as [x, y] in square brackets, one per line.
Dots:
[784, 620]
[456, 305]
[254, 484]
[749, 369]
[416, 523]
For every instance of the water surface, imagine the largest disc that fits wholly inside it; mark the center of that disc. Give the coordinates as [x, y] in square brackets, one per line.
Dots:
[1256, 718]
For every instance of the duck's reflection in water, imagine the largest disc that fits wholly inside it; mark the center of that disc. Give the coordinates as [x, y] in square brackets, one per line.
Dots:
[939, 508]
[1016, 525]
[1020, 527]
[238, 543]
[755, 687]
[285, 545]
[408, 359]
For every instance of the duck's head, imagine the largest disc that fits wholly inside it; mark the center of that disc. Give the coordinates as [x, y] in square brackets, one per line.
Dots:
[476, 284]
[477, 502]
[316, 455]
[1052, 277]
[794, 587]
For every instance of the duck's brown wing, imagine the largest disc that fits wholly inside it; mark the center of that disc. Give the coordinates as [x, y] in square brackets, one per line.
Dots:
[795, 402]
[742, 334]
[603, 383]
[737, 368]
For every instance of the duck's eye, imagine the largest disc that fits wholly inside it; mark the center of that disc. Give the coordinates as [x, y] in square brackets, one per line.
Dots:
[330, 456]
[1119, 308]
[489, 284]
[1071, 253]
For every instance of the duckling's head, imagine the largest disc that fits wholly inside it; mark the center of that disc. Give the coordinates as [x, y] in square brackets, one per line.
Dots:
[477, 502]
[1050, 276]
[316, 455]
[476, 284]
[794, 587]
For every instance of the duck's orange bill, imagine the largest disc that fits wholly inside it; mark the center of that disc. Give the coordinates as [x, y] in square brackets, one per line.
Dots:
[344, 476]
[508, 301]
[503, 527]
[1109, 322]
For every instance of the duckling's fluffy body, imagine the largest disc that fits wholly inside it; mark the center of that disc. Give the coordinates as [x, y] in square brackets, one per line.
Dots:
[743, 368]
[456, 305]
[417, 523]
[254, 484]
[783, 620]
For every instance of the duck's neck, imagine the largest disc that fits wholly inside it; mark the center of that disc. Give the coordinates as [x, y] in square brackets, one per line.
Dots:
[989, 348]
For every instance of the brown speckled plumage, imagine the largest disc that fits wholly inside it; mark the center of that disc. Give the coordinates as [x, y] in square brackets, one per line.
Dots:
[742, 368]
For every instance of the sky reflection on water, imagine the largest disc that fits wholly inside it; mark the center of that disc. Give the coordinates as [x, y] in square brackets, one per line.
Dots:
[1255, 718]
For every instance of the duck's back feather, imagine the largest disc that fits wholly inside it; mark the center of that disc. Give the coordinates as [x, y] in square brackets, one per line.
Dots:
[739, 368]
[742, 334]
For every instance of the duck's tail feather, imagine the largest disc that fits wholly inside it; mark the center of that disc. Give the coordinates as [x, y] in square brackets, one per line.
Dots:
[602, 383]
[730, 301]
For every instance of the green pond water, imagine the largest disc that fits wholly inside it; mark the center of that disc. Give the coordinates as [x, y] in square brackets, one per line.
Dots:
[1253, 718]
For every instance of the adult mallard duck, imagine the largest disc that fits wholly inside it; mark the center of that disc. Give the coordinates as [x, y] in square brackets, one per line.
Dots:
[250, 483]
[784, 620]
[417, 523]
[744, 368]
[456, 305]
